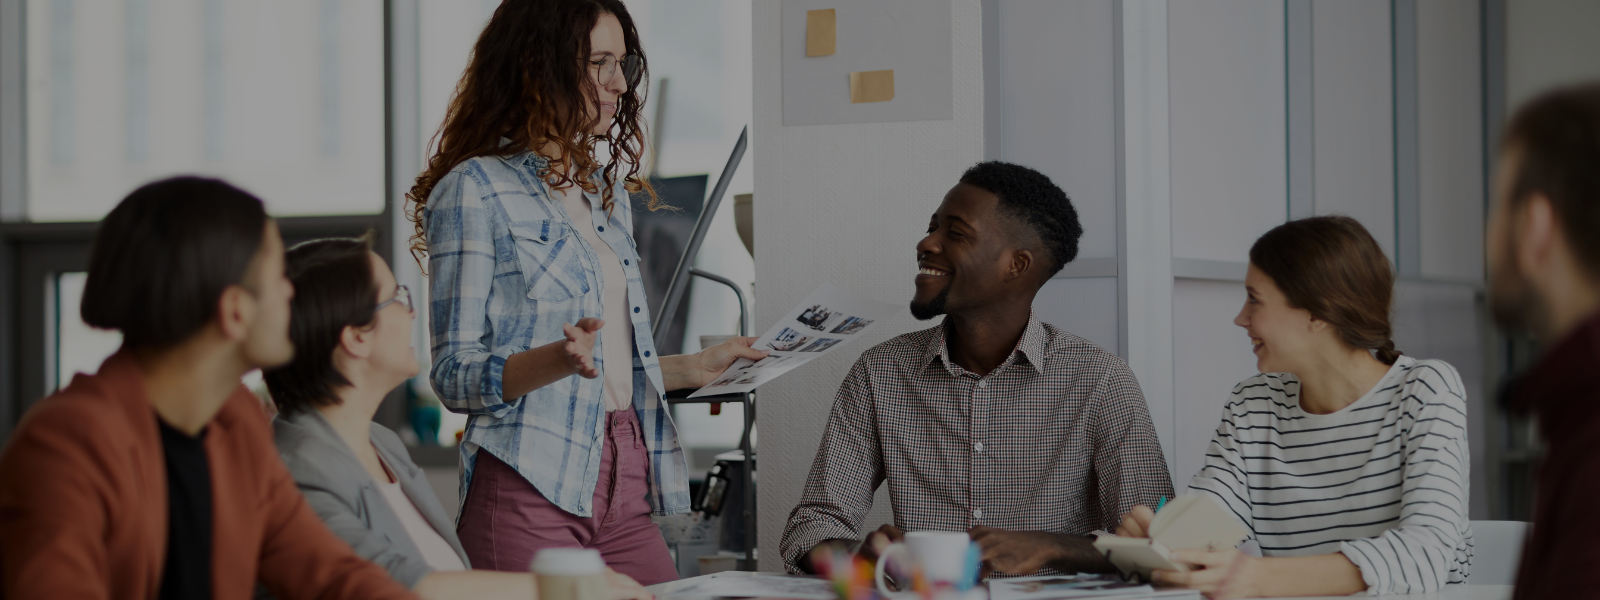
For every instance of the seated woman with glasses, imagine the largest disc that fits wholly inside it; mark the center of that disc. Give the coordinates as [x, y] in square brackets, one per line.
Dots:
[351, 328]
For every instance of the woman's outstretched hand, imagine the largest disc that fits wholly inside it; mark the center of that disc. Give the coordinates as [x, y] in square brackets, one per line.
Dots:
[683, 371]
[716, 359]
[579, 349]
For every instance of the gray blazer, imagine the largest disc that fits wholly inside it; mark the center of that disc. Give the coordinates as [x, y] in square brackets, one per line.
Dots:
[348, 500]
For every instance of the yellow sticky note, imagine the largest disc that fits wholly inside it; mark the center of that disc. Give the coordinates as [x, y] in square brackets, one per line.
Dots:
[820, 32]
[871, 86]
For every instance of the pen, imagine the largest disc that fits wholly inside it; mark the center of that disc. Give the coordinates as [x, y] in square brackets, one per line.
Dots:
[1161, 504]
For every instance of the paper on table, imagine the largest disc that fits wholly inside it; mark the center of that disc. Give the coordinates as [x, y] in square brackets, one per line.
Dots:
[871, 86]
[735, 584]
[825, 320]
[820, 32]
[1082, 585]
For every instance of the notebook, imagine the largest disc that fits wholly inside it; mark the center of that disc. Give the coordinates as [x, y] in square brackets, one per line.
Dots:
[1188, 522]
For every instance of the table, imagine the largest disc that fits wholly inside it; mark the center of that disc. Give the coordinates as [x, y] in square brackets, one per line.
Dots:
[1460, 592]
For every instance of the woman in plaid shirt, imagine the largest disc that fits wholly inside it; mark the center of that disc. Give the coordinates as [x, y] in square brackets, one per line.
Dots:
[527, 232]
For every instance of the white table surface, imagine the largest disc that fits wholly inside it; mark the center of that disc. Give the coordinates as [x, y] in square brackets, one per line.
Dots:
[1459, 592]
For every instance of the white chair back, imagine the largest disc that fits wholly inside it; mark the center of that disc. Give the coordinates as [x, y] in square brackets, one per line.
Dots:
[1496, 551]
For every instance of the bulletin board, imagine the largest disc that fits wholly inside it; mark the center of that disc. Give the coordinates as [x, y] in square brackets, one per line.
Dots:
[910, 37]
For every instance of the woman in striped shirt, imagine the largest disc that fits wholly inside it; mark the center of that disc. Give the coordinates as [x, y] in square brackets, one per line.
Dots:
[1346, 461]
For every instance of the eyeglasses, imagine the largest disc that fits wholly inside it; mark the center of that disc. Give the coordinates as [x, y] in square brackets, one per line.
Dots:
[402, 295]
[605, 69]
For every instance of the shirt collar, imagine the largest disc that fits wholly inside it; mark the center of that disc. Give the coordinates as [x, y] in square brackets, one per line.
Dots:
[1029, 350]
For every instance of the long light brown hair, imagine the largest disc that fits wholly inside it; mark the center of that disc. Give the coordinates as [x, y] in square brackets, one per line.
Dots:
[528, 81]
[1332, 268]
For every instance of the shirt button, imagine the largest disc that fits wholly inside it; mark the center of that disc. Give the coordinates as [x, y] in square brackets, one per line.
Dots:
[978, 446]
[647, 354]
[544, 238]
[601, 228]
[977, 514]
[635, 309]
[983, 383]
[625, 261]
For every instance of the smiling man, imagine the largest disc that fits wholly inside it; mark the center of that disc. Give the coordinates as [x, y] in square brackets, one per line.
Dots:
[1030, 437]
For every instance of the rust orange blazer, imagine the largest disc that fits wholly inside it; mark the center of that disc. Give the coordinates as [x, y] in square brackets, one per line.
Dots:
[83, 503]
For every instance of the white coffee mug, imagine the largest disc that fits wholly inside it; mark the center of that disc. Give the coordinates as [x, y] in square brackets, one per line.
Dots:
[942, 556]
[570, 574]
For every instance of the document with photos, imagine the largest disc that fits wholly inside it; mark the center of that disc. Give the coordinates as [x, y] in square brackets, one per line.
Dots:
[827, 319]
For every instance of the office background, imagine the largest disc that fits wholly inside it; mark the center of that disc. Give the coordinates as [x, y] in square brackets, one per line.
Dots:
[1181, 129]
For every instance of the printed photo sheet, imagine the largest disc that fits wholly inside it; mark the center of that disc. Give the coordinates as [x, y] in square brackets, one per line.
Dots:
[828, 318]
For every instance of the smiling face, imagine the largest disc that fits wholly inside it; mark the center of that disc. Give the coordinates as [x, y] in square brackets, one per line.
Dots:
[963, 263]
[606, 44]
[1280, 334]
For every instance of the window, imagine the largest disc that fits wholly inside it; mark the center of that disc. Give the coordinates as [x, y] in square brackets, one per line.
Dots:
[277, 97]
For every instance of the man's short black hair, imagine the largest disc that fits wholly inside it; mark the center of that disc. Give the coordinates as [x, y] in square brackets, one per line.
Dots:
[1030, 197]
[334, 288]
[1557, 137]
[162, 258]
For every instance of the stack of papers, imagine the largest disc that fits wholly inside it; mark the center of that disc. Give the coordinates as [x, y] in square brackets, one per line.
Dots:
[742, 584]
[1083, 585]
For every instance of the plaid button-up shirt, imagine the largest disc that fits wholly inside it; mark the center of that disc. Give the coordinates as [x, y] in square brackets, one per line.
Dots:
[507, 270]
[1057, 438]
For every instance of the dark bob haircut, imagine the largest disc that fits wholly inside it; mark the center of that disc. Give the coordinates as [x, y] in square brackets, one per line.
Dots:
[1029, 197]
[161, 260]
[333, 289]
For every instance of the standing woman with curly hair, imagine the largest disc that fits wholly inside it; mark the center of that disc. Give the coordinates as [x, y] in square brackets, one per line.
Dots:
[527, 230]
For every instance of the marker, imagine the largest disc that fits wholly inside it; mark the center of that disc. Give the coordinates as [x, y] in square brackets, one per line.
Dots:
[1161, 504]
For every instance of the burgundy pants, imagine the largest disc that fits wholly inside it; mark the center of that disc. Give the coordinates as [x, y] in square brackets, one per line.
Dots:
[506, 520]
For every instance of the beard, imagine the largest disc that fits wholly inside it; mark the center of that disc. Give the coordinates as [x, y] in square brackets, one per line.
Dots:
[1513, 302]
[933, 308]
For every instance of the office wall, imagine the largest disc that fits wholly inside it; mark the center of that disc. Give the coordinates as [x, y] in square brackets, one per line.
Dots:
[1173, 127]
[843, 204]
[1353, 114]
[1228, 125]
[1549, 43]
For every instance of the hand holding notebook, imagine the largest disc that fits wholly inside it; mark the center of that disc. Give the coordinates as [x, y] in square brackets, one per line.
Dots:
[1188, 522]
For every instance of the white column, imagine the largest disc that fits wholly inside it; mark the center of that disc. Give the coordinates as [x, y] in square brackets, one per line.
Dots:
[1145, 206]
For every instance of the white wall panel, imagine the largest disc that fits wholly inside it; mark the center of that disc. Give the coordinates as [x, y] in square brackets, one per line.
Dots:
[1443, 321]
[1228, 156]
[1210, 355]
[843, 204]
[1058, 76]
[1550, 43]
[1450, 139]
[1086, 306]
[1353, 103]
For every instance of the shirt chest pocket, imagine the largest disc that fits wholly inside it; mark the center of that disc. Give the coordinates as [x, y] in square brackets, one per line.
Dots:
[550, 259]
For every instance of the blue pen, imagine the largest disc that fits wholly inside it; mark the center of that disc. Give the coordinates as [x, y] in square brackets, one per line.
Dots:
[1161, 504]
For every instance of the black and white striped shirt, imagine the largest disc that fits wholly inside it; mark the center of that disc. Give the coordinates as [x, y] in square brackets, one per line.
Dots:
[1383, 481]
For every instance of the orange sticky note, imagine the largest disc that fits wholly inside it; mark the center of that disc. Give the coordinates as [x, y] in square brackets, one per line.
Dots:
[871, 86]
[820, 32]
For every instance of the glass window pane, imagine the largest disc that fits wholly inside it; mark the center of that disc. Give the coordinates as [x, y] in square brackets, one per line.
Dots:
[283, 98]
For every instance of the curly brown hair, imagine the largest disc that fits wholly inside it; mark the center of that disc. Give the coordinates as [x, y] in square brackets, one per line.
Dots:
[528, 81]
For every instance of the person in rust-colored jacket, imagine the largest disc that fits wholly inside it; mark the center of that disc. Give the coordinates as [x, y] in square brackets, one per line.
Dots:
[157, 477]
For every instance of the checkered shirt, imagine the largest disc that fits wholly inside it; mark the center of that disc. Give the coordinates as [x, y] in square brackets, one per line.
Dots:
[1058, 439]
[507, 270]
